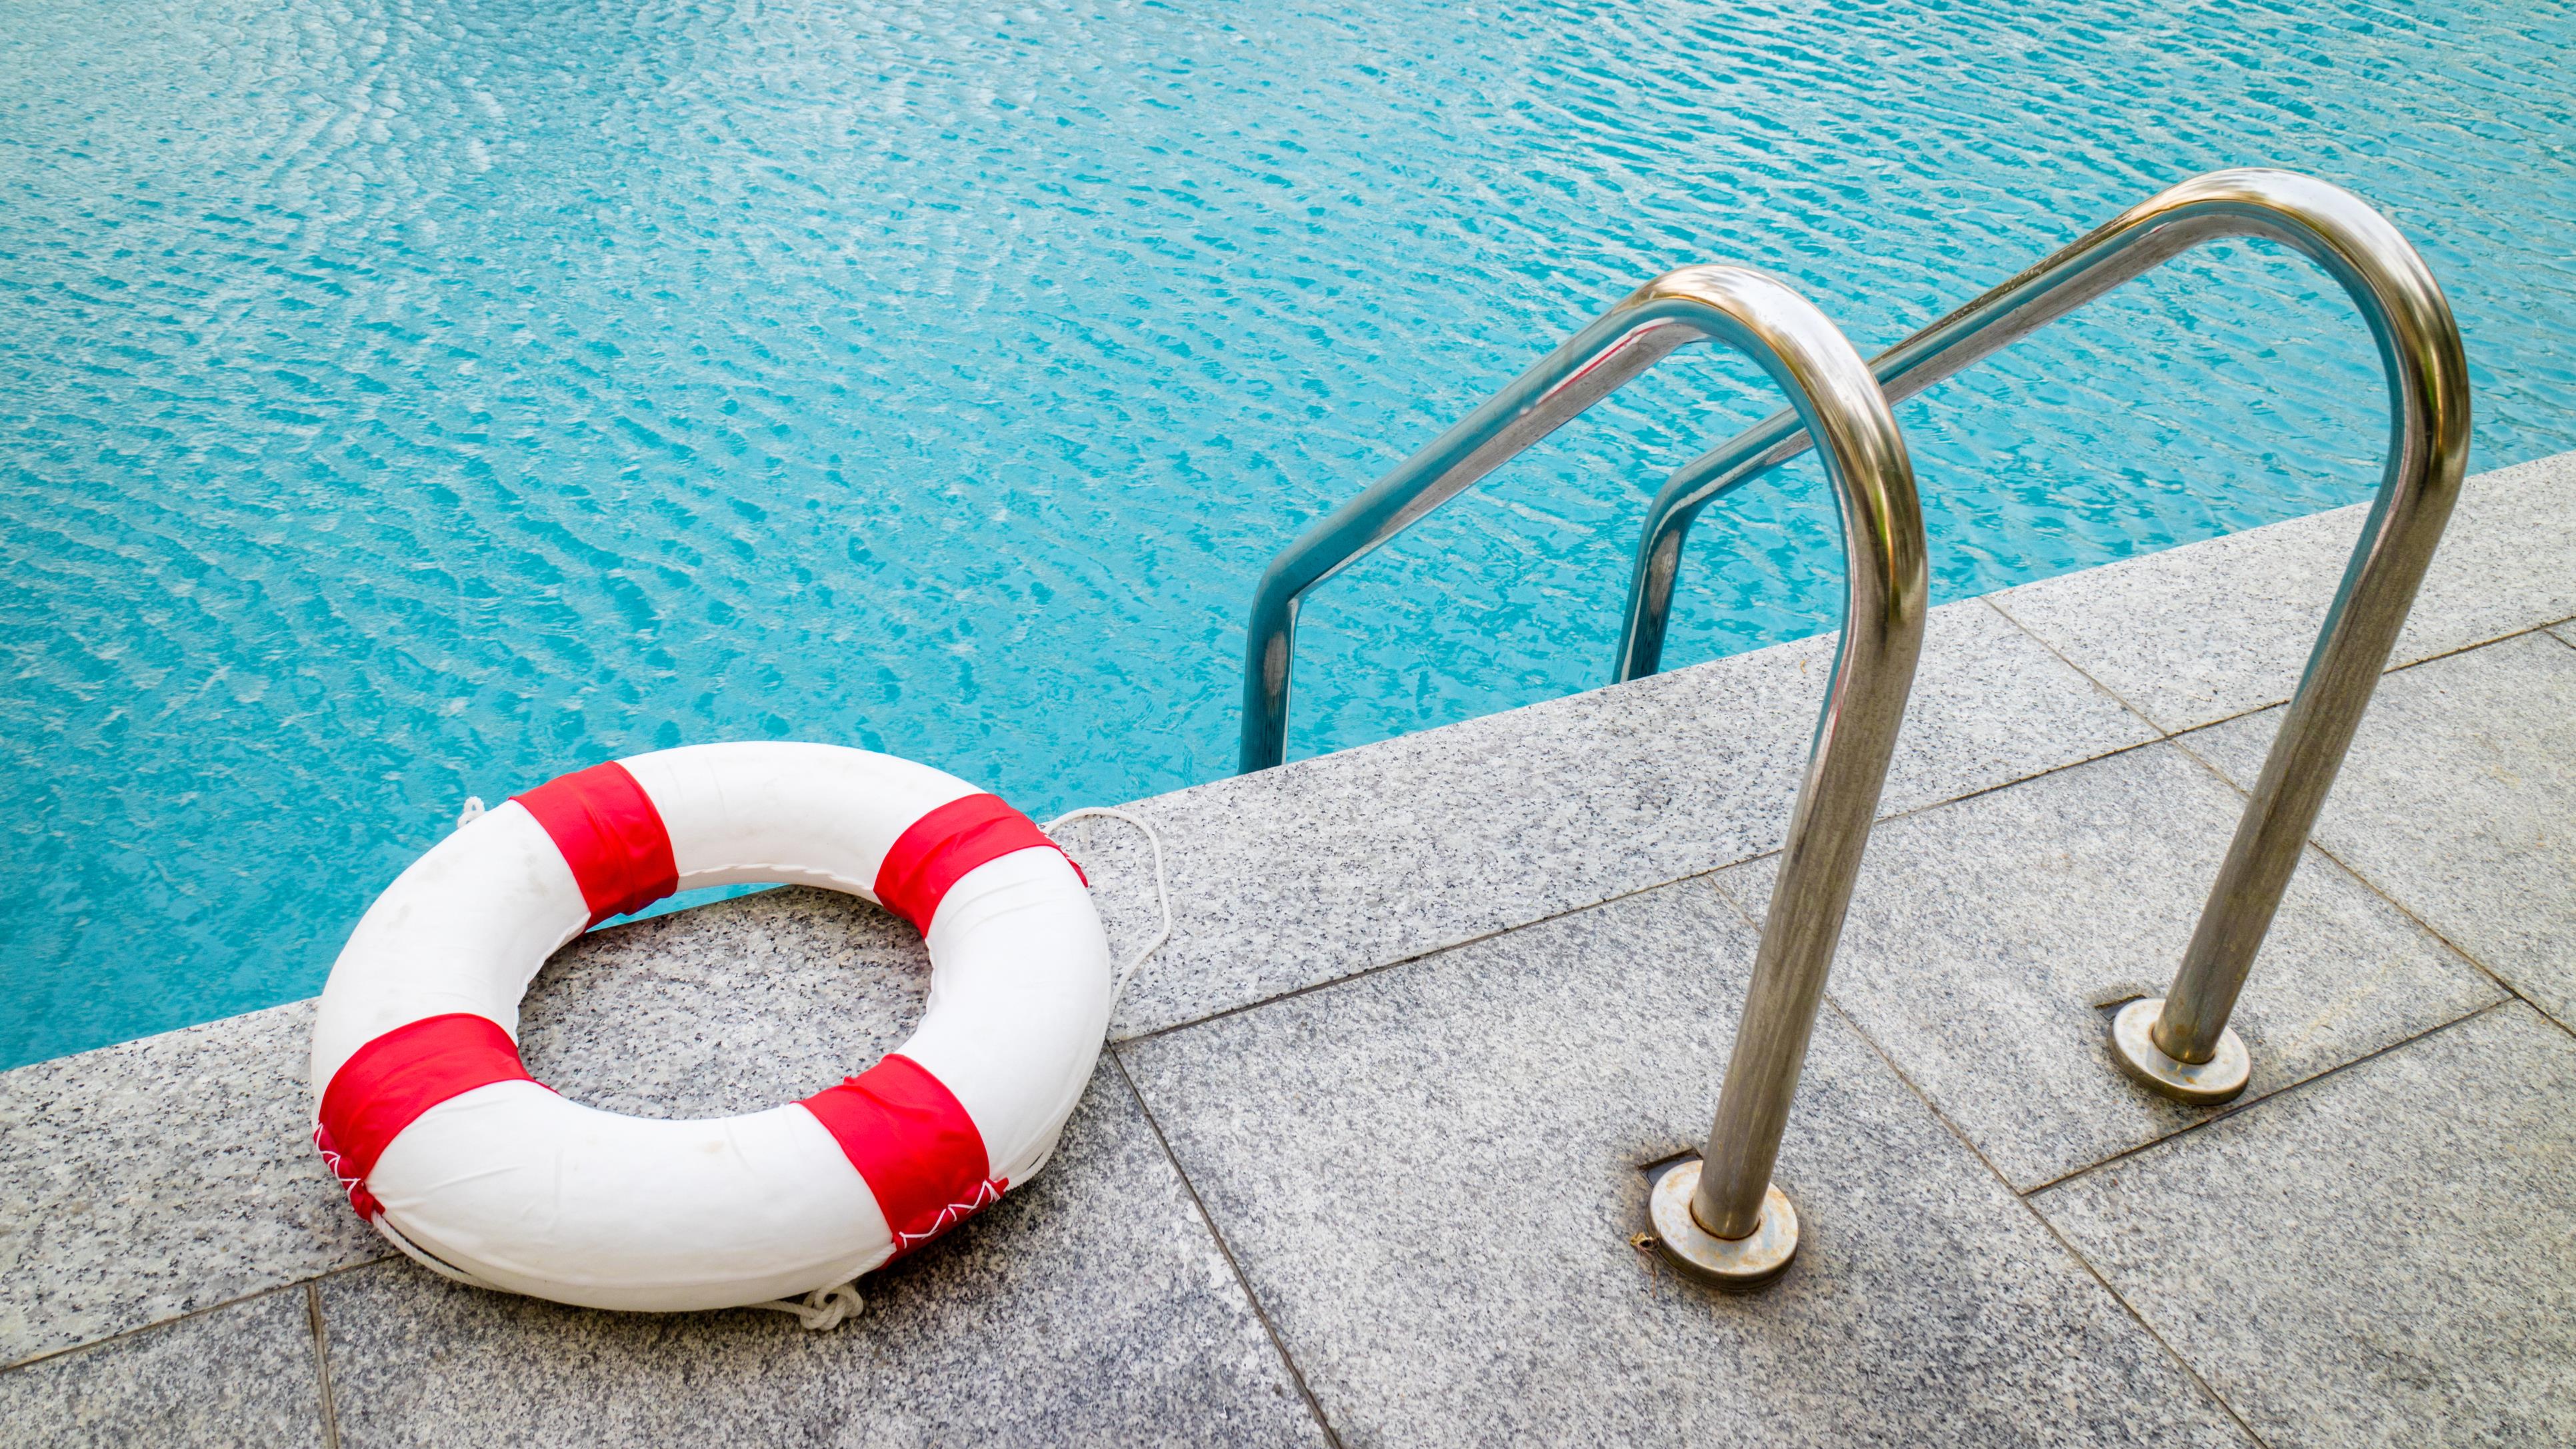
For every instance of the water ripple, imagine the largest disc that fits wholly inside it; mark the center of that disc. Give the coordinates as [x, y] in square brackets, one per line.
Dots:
[408, 398]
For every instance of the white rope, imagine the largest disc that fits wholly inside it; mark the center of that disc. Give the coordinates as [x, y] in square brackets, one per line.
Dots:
[824, 1308]
[1162, 887]
[472, 812]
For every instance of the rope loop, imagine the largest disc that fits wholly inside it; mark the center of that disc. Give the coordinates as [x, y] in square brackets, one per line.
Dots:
[1162, 886]
[823, 1309]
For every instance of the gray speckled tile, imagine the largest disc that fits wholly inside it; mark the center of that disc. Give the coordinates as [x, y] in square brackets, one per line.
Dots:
[1991, 705]
[1431, 1176]
[2200, 632]
[141, 1181]
[2459, 800]
[1091, 1308]
[2383, 1257]
[1983, 933]
[2213, 629]
[1344, 862]
[2508, 561]
[240, 1374]
[731, 1007]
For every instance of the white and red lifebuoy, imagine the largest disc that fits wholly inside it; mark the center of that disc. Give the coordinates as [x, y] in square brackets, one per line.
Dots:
[434, 1126]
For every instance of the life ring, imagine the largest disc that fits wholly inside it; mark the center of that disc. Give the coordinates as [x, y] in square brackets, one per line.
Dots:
[443, 1141]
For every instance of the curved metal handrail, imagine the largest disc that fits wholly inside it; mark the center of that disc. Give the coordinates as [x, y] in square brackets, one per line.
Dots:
[1885, 589]
[1757, 316]
[2428, 387]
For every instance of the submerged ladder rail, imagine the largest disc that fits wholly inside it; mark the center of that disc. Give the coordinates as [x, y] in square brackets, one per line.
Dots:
[1722, 1217]
[2180, 1045]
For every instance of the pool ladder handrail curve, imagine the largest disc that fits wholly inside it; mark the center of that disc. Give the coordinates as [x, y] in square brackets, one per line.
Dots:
[1885, 600]
[2180, 1045]
[1672, 311]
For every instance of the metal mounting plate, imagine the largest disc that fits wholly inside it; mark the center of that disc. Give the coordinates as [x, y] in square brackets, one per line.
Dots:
[2205, 1084]
[1740, 1263]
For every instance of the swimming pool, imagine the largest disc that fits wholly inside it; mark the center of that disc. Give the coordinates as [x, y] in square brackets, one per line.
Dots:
[403, 402]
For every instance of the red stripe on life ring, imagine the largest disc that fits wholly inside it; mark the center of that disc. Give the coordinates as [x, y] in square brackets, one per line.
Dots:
[943, 845]
[610, 835]
[909, 1137]
[385, 1085]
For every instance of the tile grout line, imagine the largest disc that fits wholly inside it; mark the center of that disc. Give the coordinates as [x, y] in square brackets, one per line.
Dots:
[2234, 1110]
[1260, 1313]
[1881, 1052]
[1557, 915]
[1732, 903]
[2254, 709]
[2144, 1326]
[1982, 791]
[322, 1364]
[2229, 1109]
[2494, 976]
[2180, 738]
[2408, 913]
[2475, 644]
[1990, 601]
[50, 1354]
[1311, 987]
[2022, 1201]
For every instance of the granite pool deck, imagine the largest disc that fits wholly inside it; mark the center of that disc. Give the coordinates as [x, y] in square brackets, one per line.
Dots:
[1363, 1162]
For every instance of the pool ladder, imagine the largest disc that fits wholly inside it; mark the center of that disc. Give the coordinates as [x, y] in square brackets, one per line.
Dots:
[1722, 1218]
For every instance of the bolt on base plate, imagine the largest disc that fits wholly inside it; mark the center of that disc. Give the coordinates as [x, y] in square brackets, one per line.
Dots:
[2205, 1084]
[1737, 1263]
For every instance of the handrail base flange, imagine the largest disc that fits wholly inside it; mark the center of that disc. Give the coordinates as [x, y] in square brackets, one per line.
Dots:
[2203, 1084]
[1737, 1263]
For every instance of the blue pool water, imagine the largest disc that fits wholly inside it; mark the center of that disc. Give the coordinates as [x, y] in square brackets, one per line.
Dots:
[401, 401]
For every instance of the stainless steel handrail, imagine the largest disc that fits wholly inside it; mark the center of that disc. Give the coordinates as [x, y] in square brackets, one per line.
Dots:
[1722, 1218]
[2180, 1045]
